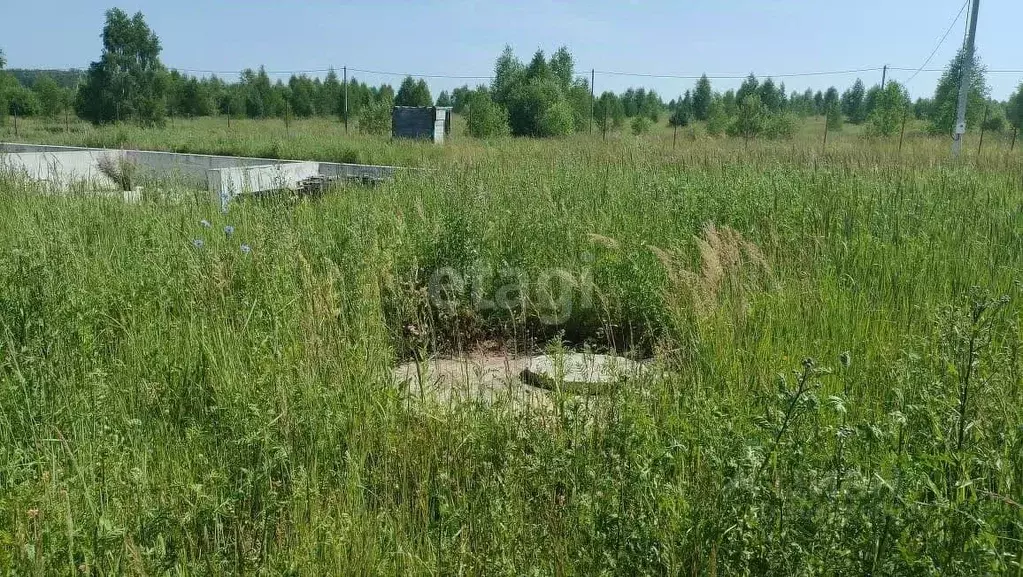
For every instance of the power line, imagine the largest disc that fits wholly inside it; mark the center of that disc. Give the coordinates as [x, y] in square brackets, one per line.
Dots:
[739, 76]
[942, 70]
[613, 72]
[403, 74]
[940, 42]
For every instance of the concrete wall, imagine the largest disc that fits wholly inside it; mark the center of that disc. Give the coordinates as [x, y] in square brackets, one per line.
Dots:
[223, 176]
[66, 169]
[440, 124]
[412, 122]
[337, 170]
[420, 122]
[226, 183]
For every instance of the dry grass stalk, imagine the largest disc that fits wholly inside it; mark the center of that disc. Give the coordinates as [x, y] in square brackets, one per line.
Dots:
[727, 262]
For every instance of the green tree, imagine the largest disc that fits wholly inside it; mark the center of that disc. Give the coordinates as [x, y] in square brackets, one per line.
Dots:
[996, 120]
[129, 81]
[562, 66]
[444, 99]
[640, 125]
[53, 99]
[946, 95]
[831, 98]
[922, 108]
[4, 82]
[331, 96]
[729, 102]
[852, 102]
[459, 98]
[770, 96]
[717, 118]
[608, 112]
[376, 118]
[780, 125]
[413, 92]
[302, 96]
[685, 111]
[197, 98]
[22, 101]
[702, 98]
[486, 118]
[578, 97]
[891, 106]
[833, 115]
[871, 100]
[538, 69]
[749, 87]
[751, 119]
[1014, 114]
[508, 76]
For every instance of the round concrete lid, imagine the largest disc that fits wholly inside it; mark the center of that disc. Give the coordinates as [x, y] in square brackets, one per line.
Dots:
[578, 373]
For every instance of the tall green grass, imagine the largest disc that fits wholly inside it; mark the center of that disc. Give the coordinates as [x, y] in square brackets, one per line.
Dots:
[173, 408]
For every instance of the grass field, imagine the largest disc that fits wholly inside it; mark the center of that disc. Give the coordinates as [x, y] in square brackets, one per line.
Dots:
[840, 333]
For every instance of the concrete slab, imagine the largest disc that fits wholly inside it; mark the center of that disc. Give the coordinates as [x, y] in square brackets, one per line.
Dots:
[481, 379]
[579, 373]
[522, 382]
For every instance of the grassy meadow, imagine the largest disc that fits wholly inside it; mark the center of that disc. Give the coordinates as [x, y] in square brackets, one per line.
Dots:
[838, 331]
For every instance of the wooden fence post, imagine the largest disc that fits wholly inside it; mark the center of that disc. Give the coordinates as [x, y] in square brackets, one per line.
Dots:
[902, 134]
[982, 126]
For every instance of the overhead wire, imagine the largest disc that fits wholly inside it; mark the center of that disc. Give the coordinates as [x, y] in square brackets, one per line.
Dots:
[940, 42]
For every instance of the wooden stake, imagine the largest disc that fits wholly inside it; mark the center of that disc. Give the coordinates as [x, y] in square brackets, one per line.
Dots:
[981, 143]
[826, 123]
[1014, 131]
[902, 134]
[592, 75]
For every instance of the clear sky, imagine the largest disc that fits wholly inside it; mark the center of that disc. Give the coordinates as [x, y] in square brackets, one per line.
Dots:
[463, 37]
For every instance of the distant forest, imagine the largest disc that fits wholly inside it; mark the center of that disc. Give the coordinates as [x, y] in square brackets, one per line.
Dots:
[64, 78]
[540, 97]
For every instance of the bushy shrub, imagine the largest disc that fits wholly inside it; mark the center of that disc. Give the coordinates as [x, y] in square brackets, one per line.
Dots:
[891, 106]
[22, 101]
[376, 118]
[486, 118]
[781, 125]
[996, 121]
[640, 125]
[539, 109]
[717, 120]
[751, 118]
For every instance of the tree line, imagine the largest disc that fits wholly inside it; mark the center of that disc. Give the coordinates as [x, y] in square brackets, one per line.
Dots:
[541, 98]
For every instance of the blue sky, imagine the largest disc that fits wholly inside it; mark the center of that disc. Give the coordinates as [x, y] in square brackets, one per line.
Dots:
[463, 37]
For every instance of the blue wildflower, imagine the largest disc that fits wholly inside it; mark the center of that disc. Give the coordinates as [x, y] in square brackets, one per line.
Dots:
[205, 223]
[246, 249]
[198, 243]
[228, 230]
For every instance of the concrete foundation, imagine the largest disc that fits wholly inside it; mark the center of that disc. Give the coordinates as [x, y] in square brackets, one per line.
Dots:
[67, 167]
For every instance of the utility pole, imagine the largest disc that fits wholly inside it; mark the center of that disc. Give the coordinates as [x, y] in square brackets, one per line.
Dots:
[964, 83]
[592, 75]
[346, 98]
[884, 75]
